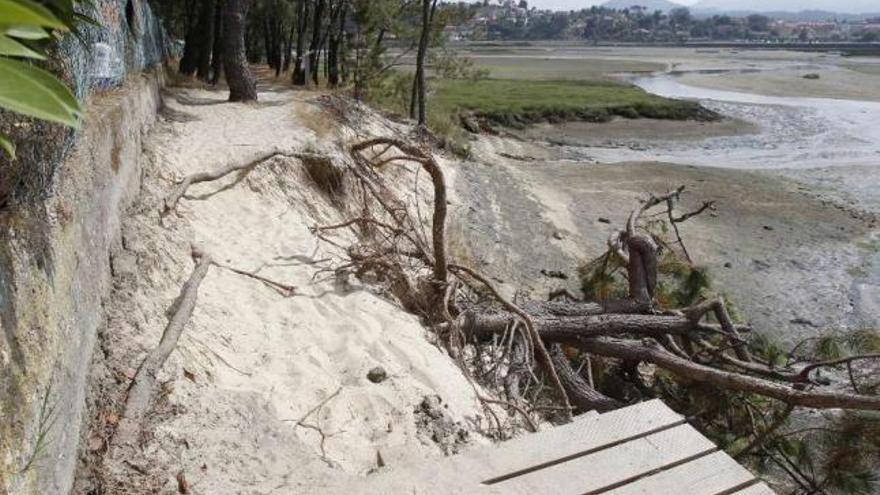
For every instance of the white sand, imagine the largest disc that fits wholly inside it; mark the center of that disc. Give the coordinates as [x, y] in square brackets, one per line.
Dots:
[261, 361]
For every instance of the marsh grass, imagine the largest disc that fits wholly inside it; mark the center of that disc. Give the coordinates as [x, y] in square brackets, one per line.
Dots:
[517, 103]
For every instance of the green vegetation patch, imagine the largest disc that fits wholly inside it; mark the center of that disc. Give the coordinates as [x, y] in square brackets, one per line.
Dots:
[516, 103]
[559, 68]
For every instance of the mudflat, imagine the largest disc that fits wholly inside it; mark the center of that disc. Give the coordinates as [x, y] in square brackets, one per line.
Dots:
[793, 241]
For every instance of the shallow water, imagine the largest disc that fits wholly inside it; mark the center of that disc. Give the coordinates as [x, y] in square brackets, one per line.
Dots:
[794, 132]
[797, 134]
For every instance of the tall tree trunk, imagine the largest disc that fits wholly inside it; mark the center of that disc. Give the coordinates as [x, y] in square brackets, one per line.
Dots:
[188, 61]
[278, 44]
[299, 76]
[315, 45]
[217, 49]
[419, 90]
[206, 38]
[242, 86]
[267, 41]
[288, 46]
[335, 47]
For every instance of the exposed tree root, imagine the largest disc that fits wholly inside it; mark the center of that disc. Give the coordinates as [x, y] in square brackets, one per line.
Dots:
[312, 162]
[438, 223]
[534, 337]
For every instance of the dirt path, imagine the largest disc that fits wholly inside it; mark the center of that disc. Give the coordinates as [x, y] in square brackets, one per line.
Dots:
[265, 393]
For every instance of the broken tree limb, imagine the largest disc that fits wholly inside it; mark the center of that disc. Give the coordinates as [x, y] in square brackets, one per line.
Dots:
[578, 308]
[650, 351]
[642, 267]
[719, 309]
[141, 389]
[582, 395]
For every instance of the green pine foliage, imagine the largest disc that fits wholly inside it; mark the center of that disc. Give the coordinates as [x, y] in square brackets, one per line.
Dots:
[26, 28]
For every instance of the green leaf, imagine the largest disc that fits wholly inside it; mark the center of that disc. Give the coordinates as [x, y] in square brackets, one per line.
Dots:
[12, 48]
[28, 13]
[7, 146]
[32, 91]
[24, 32]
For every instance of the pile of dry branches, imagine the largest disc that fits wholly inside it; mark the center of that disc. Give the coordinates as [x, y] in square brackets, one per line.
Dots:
[511, 348]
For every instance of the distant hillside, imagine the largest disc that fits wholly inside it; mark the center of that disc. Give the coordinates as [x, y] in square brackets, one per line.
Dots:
[650, 5]
[801, 16]
[844, 7]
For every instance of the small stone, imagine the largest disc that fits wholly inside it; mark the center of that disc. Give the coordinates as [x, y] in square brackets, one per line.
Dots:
[377, 375]
[768, 227]
[554, 274]
[557, 235]
[604, 220]
[728, 264]
[802, 321]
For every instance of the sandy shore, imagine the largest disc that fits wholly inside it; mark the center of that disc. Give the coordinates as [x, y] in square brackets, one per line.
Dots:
[834, 81]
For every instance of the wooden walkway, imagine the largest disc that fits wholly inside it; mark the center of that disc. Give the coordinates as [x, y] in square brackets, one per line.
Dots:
[642, 449]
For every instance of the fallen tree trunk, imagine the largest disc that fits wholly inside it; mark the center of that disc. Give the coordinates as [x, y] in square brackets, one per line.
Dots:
[484, 324]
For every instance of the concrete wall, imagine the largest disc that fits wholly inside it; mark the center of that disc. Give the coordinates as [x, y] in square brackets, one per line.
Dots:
[55, 270]
[60, 208]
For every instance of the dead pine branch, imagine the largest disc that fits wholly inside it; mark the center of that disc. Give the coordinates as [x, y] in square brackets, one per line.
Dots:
[635, 331]
[648, 350]
[141, 389]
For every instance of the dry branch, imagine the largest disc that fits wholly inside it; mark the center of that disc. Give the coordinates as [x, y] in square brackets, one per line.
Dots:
[141, 389]
[279, 287]
[485, 323]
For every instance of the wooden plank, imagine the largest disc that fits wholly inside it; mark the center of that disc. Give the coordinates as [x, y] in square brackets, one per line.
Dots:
[580, 437]
[610, 468]
[758, 489]
[707, 475]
